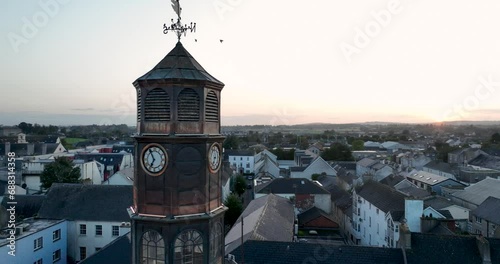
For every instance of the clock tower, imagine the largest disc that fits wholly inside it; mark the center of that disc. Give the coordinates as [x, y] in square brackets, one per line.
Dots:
[178, 215]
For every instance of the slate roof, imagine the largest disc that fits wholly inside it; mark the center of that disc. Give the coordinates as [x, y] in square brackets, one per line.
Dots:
[437, 202]
[415, 192]
[107, 159]
[489, 210]
[291, 185]
[477, 193]
[392, 180]
[21, 149]
[486, 161]
[27, 205]
[440, 166]
[313, 213]
[266, 218]
[87, 202]
[431, 248]
[366, 162]
[348, 165]
[119, 251]
[271, 252]
[382, 196]
[297, 169]
[179, 64]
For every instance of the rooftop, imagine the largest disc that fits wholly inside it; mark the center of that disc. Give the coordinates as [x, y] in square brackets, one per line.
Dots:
[427, 177]
[87, 202]
[489, 210]
[178, 64]
[382, 196]
[29, 226]
[291, 185]
[477, 193]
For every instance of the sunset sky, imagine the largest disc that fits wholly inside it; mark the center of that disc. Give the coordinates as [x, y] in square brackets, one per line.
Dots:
[67, 62]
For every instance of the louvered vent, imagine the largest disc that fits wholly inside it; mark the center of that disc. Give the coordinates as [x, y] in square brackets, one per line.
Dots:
[212, 107]
[138, 105]
[188, 106]
[157, 106]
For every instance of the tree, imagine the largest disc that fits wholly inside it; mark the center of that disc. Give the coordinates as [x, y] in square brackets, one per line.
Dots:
[495, 138]
[61, 170]
[235, 207]
[231, 142]
[240, 185]
[339, 152]
[358, 144]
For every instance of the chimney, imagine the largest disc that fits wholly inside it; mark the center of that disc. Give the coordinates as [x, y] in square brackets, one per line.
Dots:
[404, 236]
[414, 209]
[484, 249]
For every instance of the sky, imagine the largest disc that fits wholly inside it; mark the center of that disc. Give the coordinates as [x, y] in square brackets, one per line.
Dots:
[67, 62]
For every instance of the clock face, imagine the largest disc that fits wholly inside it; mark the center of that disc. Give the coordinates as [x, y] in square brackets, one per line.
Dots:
[214, 157]
[154, 159]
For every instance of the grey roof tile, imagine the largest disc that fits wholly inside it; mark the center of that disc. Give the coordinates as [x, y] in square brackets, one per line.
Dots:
[87, 202]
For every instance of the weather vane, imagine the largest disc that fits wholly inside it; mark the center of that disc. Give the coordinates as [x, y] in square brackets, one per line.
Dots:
[177, 27]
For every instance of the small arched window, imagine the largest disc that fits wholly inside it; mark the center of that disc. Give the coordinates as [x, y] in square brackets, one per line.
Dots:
[153, 248]
[212, 107]
[215, 241]
[157, 106]
[188, 248]
[188, 105]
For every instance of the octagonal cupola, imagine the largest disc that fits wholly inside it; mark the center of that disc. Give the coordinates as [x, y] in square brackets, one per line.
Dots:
[178, 97]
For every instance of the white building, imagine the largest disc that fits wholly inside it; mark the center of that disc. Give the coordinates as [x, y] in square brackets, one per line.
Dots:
[90, 172]
[266, 163]
[36, 241]
[303, 191]
[123, 177]
[317, 166]
[95, 214]
[378, 210]
[242, 161]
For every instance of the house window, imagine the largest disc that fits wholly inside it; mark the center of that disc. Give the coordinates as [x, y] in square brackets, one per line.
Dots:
[215, 242]
[153, 248]
[83, 229]
[396, 228]
[378, 227]
[56, 256]
[377, 210]
[98, 230]
[115, 230]
[97, 249]
[40, 261]
[248, 165]
[38, 243]
[241, 158]
[188, 248]
[370, 221]
[83, 253]
[478, 219]
[56, 235]
[369, 206]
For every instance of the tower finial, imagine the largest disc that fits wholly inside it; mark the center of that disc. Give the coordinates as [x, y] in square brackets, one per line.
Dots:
[177, 27]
